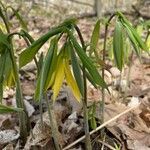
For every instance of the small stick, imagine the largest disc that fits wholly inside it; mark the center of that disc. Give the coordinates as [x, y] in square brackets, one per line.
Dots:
[101, 126]
[107, 145]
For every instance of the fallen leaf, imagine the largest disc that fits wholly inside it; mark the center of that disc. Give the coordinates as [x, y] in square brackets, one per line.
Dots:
[6, 136]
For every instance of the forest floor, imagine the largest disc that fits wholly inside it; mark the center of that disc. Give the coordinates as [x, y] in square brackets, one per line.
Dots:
[129, 130]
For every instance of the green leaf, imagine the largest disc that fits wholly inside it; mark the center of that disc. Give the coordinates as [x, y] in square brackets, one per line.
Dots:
[87, 62]
[148, 42]
[5, 109]
[40, 88]
[90, 79]
[9, 73]
[127, 50]
[91, 115]
[118, 45]
[28, 54]
[93, 123]
[140, 42]
[140, 29]
[132, 31]
[2, 70]
[52, 68]
[4, 44]
[76, 69]
[146, 23]
[94, 39]
[133, 41]
[41, 60]
[19, 17]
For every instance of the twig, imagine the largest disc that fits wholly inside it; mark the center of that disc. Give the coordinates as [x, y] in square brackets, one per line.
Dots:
[107, 145]
[100, 127]
[82, 3]
[138, 93]
[86, 15]
[13, 14]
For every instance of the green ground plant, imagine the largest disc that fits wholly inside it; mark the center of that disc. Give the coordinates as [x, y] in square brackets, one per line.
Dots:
[49, 76]
[124, 37]
[9, 69]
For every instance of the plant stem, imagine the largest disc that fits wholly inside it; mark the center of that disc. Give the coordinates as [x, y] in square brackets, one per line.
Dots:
[84, 100]
[53, 122]
[29, 41]
[128, 75]
[148, 33]
[23, 117]
[23, 121]
[102, 106]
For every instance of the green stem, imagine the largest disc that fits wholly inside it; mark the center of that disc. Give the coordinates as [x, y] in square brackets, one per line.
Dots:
[53, 122]
[128, 76]
[28, 41]
[147, 35]
[84, 100]
[2, 69]
[102, 106]
[23, 117]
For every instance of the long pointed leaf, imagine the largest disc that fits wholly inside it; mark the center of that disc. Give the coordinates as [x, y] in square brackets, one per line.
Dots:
[45, 69]
[94, 39]
[28, 54]
[133, 41]
[5, 109]
[90, 79]
[2, 70]
[3, 42]
[19, 17]
[128, 25]
[87, 62]
[118, 45]
[9, 73]
[76, 70]
[51, 71]
[71, 82]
